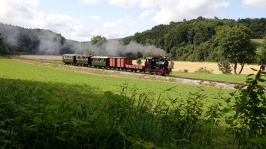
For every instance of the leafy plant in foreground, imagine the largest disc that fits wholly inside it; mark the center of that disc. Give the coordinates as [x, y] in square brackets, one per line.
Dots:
[249, 122]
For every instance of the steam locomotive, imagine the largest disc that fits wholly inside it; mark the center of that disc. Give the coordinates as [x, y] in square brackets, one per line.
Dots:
[153, 65]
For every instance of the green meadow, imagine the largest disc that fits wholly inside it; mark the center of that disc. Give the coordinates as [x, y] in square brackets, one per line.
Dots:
[15, 70]
[46, 105]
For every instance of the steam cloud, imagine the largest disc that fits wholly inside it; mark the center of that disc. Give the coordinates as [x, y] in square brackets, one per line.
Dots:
[48, 43]
[116, 48]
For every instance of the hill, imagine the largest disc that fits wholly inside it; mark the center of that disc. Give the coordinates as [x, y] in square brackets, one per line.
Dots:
[21, 40]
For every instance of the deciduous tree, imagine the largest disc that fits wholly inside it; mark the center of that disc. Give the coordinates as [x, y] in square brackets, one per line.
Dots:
[98, 40]
[236, 45]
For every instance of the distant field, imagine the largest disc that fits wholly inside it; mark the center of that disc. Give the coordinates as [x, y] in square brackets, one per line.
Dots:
[257, 41]
[97, 84]
[194, 66]
[178, 66]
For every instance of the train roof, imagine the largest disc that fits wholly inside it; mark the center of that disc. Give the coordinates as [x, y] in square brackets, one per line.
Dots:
[84, 55]
[117, 57]
[69, 54]
[151, 57]
[100, 57]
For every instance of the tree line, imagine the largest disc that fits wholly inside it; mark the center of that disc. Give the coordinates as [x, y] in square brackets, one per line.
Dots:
[193, 40]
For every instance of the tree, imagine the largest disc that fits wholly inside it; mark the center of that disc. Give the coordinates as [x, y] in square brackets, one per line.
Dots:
[262, 57]
[139, 62]
[236, 45]
[225, 67]
[98, 40]
[2, 46]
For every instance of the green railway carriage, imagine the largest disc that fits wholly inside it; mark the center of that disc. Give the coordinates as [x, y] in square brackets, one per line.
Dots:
[83, 60]
[100, 61]
[69, 59]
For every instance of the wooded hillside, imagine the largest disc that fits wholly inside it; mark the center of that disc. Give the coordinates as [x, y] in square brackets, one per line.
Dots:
[19, 40]
[193, 40]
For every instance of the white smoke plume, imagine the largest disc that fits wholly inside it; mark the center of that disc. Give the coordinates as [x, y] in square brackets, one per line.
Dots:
[49, 44]
[46, 42]
[116, 48]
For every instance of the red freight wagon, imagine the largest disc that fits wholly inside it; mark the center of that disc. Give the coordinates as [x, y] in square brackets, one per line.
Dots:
[136, 67]
[120, 62]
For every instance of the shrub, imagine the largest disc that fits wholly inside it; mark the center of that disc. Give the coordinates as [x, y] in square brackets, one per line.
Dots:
[204, 70]
[139, 62]
[225, 67]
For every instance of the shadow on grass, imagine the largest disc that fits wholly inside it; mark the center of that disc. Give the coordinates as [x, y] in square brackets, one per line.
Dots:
[52, 91]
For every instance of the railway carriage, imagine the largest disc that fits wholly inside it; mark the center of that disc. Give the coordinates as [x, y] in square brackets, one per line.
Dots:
[100, 61]
[83, 60]
[69, 59]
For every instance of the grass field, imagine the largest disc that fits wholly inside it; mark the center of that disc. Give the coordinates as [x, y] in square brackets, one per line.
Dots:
[46, 105]
[218, 77]
[15, 70]
[258, 43]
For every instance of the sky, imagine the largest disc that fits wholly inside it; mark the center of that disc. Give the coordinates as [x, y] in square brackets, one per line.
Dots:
[83, 19]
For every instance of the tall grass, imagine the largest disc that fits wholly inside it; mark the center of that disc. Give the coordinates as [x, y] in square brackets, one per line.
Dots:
[33, 115]
[30, 119]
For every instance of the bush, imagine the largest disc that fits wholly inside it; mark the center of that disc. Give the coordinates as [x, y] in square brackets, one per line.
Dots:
[139, 62]
[204, 70]
[225, 67]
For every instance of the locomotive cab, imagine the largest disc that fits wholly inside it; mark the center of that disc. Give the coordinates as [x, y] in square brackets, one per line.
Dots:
[157, 65]
[150, 62]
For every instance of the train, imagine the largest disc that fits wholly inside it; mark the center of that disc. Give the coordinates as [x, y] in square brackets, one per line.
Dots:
[153, 65]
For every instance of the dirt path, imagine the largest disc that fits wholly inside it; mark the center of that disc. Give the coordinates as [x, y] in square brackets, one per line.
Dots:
[178, 65]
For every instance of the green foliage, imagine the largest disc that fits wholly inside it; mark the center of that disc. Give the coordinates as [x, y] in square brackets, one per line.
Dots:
[29, 118]
[248, 123]
[171, 65]
[262, 56]
[236, 45]
[98, 40]
[193, 40]
[139, 62]
[225, 67]
[203, 70]
[3, 50]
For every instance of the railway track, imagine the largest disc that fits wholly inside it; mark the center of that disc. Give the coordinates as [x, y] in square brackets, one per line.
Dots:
[188, 80]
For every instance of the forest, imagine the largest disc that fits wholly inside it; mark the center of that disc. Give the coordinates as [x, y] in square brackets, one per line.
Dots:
[194, 40]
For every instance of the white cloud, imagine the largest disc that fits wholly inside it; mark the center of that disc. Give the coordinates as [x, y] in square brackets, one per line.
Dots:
[255, 3]
[95, 17]
[114, 24]
[124, 3]
[27, 16]
[173, 10]
[90, 1]
[130, 21]
[177, 10]
[145, 14]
